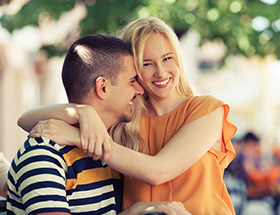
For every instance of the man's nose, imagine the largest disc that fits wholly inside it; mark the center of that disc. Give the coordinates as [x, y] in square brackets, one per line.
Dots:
[138, 89]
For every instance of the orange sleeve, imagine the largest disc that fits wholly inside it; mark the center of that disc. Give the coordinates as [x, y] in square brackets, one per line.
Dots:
[201, 106]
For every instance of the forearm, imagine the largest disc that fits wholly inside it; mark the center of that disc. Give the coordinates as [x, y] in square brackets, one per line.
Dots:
[175, 157]
[66, 112]
[136, 165]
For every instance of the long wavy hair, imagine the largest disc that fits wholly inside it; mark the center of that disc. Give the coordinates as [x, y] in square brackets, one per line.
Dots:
[137, 33]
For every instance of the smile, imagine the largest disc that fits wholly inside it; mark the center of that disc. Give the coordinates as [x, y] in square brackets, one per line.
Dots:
[131, 101]
[161, 83]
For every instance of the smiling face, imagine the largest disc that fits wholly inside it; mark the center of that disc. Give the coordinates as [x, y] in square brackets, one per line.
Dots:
[160, 73]
[124, 91]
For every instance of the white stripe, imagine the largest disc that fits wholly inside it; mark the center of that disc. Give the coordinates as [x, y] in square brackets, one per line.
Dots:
[41, 178]
[22, 149]
[40, 165]
[93, 207]
[43, 144]
[15, 210]
[44, 192]
[91, 193]
[14, 198]
[40, 152]
[32, 142]
[47, 204]
[112, 212]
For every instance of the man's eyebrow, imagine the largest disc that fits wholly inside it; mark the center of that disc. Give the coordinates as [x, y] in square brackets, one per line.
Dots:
[134, 77]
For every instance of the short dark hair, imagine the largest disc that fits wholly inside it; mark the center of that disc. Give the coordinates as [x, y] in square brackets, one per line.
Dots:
[88, 58]
[250, 136]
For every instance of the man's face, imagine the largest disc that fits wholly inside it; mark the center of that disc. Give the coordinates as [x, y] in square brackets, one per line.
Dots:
[124, 91]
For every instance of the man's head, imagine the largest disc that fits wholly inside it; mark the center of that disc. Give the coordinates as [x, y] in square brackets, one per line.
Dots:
[87, 59]
[99, 71]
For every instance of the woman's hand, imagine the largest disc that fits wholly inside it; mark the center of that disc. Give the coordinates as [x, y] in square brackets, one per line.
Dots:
[95, 140]
[58, 131]
[168, 208]
[92, 137]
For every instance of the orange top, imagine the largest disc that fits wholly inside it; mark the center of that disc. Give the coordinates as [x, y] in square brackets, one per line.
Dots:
[201, 188]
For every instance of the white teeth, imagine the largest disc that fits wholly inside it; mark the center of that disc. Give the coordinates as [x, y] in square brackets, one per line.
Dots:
[130, 103]
[161, 82]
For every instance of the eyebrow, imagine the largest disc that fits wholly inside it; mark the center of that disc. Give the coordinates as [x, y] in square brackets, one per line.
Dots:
[134, 77]
[164, 55]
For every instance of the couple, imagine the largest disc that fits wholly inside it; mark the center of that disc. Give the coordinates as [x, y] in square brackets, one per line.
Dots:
[185, 139]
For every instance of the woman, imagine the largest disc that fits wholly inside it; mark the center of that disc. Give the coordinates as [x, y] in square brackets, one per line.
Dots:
[185, 139]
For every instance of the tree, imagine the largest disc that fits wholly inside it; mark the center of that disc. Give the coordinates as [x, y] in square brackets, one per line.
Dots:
[247, 27]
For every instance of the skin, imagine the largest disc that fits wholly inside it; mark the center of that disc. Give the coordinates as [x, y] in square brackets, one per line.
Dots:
[163, 166]
[104, 108]
[160, 75]
[141, 208]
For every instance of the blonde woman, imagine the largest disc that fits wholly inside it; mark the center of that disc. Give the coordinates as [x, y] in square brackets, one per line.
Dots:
[181, 141]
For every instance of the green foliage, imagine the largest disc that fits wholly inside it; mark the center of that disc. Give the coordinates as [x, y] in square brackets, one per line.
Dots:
[31, 11]
[106, 16]
[230, 20]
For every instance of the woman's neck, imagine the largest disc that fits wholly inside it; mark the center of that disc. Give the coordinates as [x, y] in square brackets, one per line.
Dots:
[160, 107]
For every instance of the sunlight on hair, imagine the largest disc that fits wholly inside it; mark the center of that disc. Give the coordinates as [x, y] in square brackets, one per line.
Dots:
[84, 54]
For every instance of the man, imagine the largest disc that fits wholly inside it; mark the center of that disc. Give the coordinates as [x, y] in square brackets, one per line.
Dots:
[47, 179]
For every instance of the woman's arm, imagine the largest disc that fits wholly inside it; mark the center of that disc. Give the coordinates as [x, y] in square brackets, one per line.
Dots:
[93, 139]
[186, 147]
[66, 112]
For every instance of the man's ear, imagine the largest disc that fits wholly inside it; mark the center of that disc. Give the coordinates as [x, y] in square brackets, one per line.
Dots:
[101, 87]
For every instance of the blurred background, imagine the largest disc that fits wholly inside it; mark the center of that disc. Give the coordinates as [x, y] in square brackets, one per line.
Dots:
[231, 51]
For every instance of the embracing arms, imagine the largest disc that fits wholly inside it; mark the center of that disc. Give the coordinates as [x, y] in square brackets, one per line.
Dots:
[163, 166]
[177, 156]
[93, 143]
[66, 112]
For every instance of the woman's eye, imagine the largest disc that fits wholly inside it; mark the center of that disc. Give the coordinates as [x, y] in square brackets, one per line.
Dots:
[147, 64]
[167, 58]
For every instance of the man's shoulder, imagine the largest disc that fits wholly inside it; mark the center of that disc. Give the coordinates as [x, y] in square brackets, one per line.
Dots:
[37, 148]
[39, 143]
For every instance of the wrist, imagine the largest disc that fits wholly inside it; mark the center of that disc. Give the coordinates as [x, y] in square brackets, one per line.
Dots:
[84, 110]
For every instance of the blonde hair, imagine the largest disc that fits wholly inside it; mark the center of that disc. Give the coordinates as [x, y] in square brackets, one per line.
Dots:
[137, 33]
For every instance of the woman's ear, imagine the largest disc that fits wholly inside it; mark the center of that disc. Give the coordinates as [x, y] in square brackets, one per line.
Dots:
[101, 87]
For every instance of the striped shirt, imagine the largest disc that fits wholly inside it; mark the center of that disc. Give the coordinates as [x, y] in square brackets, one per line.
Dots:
[45, 177]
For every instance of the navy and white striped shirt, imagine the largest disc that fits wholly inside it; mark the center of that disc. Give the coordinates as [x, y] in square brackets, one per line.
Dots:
[45, 177]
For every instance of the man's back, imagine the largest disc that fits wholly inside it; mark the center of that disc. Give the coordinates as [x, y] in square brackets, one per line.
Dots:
[45, 177]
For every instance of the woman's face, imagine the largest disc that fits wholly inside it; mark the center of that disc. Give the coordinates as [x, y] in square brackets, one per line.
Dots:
[160, 73]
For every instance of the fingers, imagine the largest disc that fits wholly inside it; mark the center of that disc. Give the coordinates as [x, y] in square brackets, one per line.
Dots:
[99, 148]
[85, 144]
[173, 208]
[107, 149]
[39, 129]
[178, 208]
